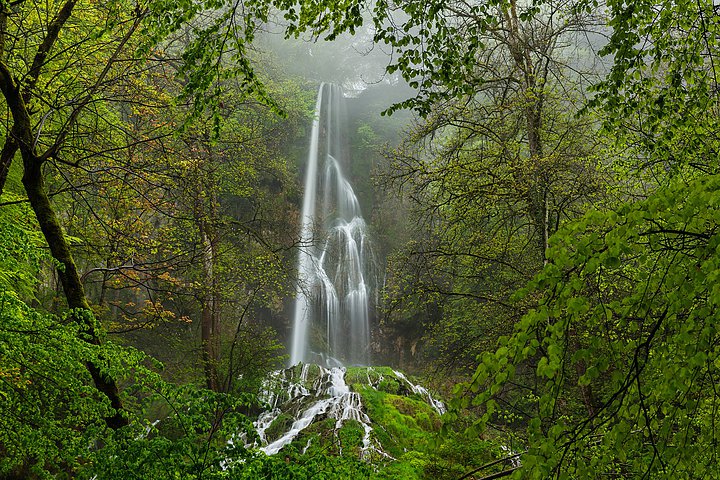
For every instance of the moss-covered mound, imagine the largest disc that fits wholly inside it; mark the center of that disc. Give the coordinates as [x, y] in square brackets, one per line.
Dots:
[361, 422]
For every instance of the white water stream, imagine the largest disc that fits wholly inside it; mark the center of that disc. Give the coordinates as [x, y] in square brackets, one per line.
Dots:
[336, 283]
[423, 392]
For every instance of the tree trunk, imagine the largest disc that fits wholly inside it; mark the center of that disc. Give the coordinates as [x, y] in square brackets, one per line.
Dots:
[210, 309]
[537, 193]
[6, 157]
[536, 196]
[18, 95]
[69, 278]
[10, 146]
[586, 391]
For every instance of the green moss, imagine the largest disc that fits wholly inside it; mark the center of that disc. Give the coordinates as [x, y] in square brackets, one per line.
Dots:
[389, 385]
[324, 429]
[395, 421]
[312, 375]
[351, 437]
[423, 420]
[368, 375]
[279, 426]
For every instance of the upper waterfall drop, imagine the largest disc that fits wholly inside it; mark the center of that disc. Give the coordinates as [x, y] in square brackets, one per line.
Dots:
[335, 264]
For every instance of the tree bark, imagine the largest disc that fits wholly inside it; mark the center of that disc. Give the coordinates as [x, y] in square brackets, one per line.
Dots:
[18, 96]
[10, 146]
[6, 157]
[210, 320]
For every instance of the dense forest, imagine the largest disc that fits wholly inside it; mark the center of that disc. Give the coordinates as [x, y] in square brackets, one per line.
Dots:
[538, 178]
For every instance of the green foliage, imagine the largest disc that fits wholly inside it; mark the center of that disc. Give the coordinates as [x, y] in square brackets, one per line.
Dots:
[313, 465]
[661, 92]
[627, 306]
[410, 465]
[218, 48]
[50, 412]
[612, 371]
[20, 254]
[458, 454]
[629, 303]
[53, 418]
[198, 435]
[479, 235]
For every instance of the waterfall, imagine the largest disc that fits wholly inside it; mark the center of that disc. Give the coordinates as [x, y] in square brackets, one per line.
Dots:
[335, 262]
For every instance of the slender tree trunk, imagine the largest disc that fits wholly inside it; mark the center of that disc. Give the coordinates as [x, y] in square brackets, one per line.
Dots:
[538, 192]
[17, 95]
[210, 321]
[586, 391]
[21, 130]
[6, 157]
[537, 198]
[10, 146]
[69, 278]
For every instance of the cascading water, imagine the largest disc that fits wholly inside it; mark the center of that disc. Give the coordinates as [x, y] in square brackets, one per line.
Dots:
[335, 274]
[301, 396]
[328, 397]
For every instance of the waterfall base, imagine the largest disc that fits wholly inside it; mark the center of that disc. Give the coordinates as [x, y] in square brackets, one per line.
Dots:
[310, 405]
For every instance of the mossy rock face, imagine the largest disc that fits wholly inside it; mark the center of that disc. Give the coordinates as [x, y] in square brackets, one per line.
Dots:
[322, 426]
[389, 385]
[401, 420]
[351, 436]
[404, 405]
[369, 375]
[279, 426]
[395, 421]
[320, 435]
[404, 439]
